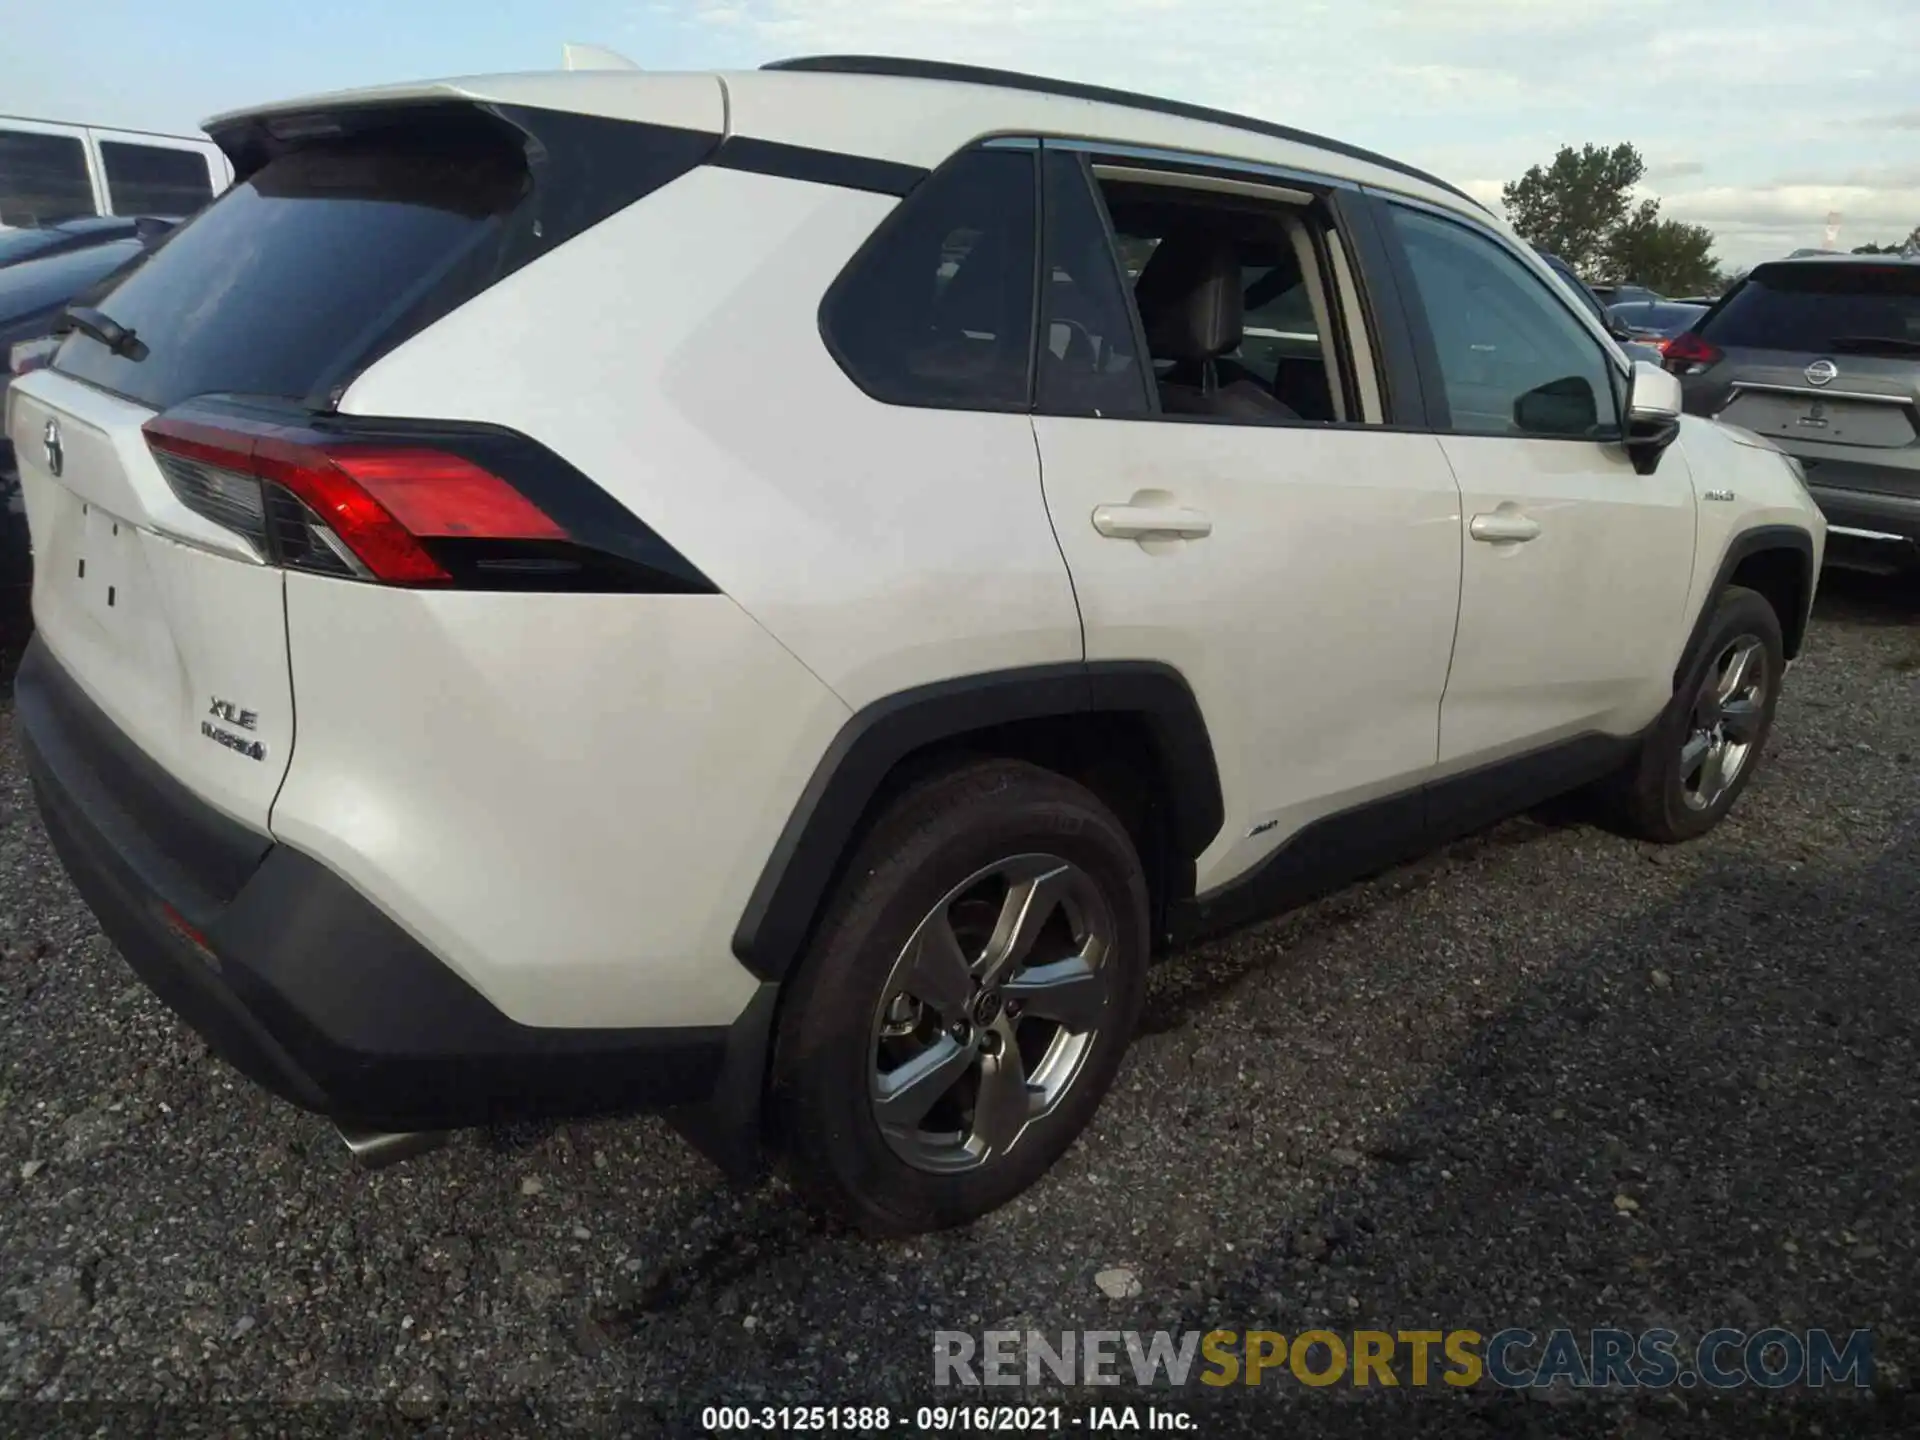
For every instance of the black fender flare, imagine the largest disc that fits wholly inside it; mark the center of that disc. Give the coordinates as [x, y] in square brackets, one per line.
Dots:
[1743, 546]
[778, 919]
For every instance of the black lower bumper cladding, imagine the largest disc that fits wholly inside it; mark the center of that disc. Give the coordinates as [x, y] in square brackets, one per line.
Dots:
[297, 980]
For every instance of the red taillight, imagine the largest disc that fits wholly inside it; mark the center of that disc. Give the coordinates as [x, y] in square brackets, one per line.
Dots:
[1688, 354]
[372, 505]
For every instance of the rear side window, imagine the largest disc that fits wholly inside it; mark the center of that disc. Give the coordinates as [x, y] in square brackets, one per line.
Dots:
[937, 308]
[154, 180]
[327, 256]
[1859, 308]
[1089, 358]
[43, 178]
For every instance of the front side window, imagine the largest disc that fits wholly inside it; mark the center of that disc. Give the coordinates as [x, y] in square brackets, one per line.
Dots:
[154, 179]
[937, 308]
[1513, 359]
[43, 178]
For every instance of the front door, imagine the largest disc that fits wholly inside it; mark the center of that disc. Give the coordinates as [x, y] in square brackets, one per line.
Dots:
[1576, 569]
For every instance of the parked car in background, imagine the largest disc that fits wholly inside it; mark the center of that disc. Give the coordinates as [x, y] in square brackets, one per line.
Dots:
[1822, 356]
[43, 242]
[52, 172]
[1622, 294]
[1651, 321]
[34, 294]
[1636, 349]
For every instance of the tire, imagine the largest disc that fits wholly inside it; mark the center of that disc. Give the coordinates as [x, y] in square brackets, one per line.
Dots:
[1007, 1089]
[1664, 793]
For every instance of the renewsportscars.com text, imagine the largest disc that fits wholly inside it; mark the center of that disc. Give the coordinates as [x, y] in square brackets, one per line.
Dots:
[1512, 1358]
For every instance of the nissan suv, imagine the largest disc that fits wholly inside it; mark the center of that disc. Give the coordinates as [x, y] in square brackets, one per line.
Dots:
[1822, 356]
[771, 596]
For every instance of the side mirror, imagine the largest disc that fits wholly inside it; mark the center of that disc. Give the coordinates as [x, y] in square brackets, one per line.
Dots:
[1654, 404]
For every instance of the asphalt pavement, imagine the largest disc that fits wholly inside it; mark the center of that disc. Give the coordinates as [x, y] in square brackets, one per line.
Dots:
[1546, 1077]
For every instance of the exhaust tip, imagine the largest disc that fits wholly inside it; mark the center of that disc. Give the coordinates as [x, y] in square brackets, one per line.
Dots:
[377, 1149]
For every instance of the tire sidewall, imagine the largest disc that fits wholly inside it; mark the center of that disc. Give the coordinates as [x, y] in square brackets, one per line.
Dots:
[825, 1049]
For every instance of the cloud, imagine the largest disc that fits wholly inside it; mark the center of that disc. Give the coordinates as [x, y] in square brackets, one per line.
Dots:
[1793, 110]
[1674, 170]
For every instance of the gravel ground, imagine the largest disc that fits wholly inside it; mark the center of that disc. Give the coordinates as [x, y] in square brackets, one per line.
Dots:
[1547, 1077]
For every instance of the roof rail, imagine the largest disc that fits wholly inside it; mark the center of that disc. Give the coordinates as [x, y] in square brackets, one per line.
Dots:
[904, 69]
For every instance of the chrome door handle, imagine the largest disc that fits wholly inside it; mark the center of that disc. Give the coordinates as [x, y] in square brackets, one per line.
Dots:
[1499, 528]
[1139, 522]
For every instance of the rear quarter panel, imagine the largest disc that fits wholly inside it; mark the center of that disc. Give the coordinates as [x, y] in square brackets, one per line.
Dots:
[674, 355]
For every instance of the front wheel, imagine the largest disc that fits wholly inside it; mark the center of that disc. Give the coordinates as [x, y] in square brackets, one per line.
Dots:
[966, 1002]
[1705, 746]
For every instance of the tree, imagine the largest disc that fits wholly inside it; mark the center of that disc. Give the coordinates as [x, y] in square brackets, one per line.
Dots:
[1668, 256]
[1908, 246]
[1573, 206]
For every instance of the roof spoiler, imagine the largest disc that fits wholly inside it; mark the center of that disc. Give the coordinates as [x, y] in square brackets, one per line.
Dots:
[593, 57]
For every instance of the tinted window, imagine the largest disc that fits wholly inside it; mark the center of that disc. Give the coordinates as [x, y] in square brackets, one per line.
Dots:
[43, 178]
[50, 282]
[1822, 307]
[1588, 300]
[152, 180]
[1279, 324]
[1513, 359]
[937, 309]
[314, 265]
[1089, 363]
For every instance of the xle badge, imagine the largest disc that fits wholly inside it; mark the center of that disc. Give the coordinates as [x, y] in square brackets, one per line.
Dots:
[232, 714]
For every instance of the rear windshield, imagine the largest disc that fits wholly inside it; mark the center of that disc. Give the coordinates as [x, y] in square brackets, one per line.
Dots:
[1821, 307]
[323, 259]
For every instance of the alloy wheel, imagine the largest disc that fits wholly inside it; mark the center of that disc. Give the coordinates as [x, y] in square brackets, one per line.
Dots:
[1728, 713]
[990, 1011]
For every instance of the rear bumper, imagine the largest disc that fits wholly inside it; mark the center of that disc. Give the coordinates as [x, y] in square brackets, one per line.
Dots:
[296, 980]
[1864, 514]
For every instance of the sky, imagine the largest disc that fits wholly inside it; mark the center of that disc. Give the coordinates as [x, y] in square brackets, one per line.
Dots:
[1758, 118]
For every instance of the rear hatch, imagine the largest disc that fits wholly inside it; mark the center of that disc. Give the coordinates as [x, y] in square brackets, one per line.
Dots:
[1823, 357]
[171, 459]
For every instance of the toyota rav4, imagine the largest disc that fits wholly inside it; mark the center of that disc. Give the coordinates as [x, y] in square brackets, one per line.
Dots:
[770, 596]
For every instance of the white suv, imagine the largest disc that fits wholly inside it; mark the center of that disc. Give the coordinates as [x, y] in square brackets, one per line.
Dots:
[769, 596]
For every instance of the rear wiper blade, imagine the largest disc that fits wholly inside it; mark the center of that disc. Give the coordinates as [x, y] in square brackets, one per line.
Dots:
[98, 325]
[1863, 344]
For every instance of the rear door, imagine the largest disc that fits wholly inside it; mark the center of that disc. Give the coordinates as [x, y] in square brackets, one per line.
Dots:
[1294, 558]
[1822, 357]
[152, 586]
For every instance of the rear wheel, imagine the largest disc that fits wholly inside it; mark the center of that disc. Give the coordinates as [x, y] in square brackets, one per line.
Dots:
[966, 1003]
[1702, 751]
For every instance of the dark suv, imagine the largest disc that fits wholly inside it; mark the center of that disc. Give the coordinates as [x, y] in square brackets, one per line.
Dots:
[1822, 356]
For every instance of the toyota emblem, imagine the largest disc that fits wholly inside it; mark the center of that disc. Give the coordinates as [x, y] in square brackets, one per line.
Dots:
[1822, 372]
[50, 441]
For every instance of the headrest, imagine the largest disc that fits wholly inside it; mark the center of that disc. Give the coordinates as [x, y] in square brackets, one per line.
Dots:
[1189, 296]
